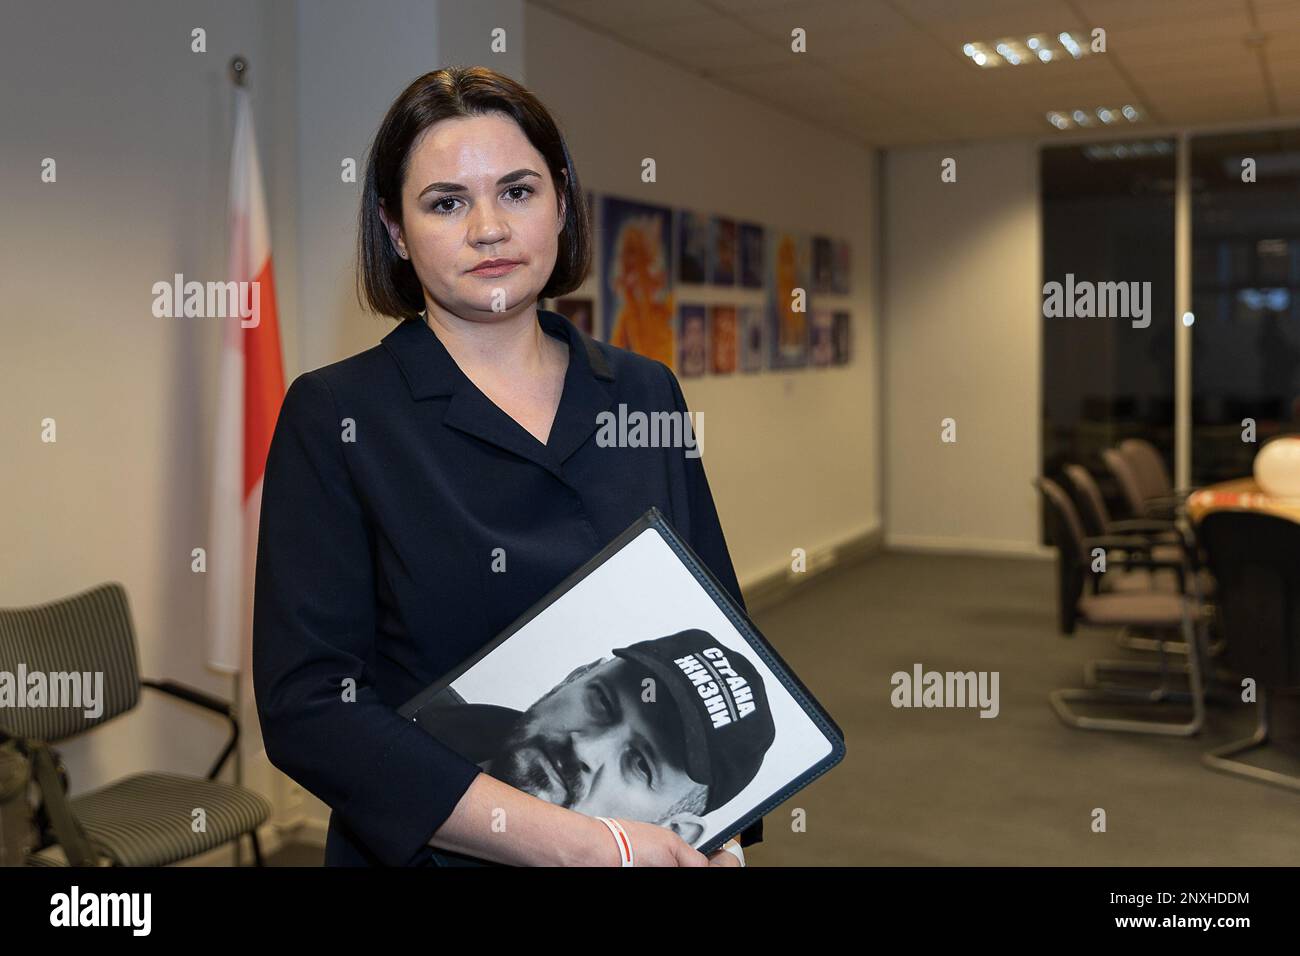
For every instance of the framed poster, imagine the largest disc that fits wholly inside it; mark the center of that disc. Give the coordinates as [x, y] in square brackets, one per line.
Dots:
[822, 351]
[823, 264]
[638, 688]
[753, 349]
[693, 360]
[579, 310]
[722, 262]
[637, 278]
[692, 246]
[752, 259]
[723, 339]
[840, 338]
[787, 265]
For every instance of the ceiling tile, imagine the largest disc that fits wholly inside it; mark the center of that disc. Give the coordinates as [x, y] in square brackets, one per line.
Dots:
[690, 33]
[1278, 15]
[1174, 14]
[625, 13]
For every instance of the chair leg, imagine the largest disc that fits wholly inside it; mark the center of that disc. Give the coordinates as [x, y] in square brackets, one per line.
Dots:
[1093, 671]
[1219, 685]
[257, 848]
[1218, 759]
[1132, 639]
[1061, 699]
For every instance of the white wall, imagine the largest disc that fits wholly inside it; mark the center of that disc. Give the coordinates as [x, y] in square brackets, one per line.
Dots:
[792, 456]
[139, 127]
[961, 339]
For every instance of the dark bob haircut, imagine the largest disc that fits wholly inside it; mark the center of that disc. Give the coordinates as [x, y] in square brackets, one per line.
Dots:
[387, 283]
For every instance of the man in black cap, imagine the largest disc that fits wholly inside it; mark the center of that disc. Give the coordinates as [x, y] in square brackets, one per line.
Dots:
[665, 731]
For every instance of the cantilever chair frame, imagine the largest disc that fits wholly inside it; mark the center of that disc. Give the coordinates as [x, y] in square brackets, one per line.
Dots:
[1065, 528]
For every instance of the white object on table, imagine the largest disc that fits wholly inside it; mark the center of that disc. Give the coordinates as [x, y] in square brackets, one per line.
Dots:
[1277, 467]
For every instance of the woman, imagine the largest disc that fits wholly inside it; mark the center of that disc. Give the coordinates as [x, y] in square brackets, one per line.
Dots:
[401, 479]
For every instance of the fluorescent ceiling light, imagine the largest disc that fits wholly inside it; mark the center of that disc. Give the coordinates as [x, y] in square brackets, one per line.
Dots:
[1073, 119]
[1035, 48]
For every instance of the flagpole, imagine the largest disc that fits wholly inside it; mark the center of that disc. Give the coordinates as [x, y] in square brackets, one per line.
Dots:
[239, 77]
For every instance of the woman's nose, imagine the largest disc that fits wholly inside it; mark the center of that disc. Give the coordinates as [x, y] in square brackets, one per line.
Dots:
[487, 224]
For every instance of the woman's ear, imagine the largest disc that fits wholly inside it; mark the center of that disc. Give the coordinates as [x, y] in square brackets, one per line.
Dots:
[394, 231]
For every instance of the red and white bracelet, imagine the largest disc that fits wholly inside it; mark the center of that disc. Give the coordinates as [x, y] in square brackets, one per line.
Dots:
[624, 842]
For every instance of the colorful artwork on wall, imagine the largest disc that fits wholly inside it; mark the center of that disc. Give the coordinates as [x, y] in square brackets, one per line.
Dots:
[753, 338]
[694, 342]
[722, 339]
[637, 287]
[787, 275]
[752, 260]
[722, 263]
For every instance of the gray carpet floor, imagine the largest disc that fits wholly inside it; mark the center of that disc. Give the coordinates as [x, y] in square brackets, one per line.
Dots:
[947, 787]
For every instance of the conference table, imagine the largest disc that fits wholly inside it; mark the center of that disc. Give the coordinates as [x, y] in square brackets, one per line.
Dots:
[1240, 493]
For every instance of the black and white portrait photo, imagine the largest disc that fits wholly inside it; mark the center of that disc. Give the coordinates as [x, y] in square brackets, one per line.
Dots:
[632, 695]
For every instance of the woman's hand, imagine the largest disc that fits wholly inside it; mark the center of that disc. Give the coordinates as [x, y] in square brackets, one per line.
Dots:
[652, 845]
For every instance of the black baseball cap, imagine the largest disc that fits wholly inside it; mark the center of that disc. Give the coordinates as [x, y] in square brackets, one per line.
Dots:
[722, 703]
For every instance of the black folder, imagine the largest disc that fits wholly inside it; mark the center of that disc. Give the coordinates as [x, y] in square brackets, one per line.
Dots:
[689, 717]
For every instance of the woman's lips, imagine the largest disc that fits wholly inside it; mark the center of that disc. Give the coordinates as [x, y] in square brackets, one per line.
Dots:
[493, 271]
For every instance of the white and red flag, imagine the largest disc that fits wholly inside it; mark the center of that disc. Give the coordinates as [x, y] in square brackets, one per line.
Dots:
[250, 390]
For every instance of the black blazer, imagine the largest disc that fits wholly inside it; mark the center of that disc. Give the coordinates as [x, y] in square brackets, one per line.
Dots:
[390, 480]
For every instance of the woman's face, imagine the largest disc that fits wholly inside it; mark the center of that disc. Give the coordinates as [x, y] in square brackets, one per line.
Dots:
[476, 189]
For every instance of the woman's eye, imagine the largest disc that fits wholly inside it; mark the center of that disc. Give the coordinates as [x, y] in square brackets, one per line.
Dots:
[443, 210]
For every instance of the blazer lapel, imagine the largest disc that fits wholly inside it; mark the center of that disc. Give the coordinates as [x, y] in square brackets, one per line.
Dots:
[429, 370]
[588, 389]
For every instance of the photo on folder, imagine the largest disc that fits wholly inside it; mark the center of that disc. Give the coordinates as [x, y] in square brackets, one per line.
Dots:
[637, 689]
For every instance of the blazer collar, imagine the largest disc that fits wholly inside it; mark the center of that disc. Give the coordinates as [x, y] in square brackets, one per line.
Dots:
[429, 370]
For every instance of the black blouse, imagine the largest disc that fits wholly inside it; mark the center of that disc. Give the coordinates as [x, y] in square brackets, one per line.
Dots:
[390, 480]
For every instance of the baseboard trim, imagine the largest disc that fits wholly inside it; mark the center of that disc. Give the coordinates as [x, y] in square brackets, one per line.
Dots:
[775, 587]
[978, 547]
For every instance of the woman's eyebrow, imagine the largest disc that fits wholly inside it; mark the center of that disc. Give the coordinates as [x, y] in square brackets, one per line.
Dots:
[517, 175]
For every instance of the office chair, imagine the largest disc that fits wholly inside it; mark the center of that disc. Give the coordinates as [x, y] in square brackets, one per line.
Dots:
[1151, 478]
[1164, 540]
[1156, 538]
[1256, 559]
[144, 819]
[1159, 610]
[1149, 465]
[1132, 491]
